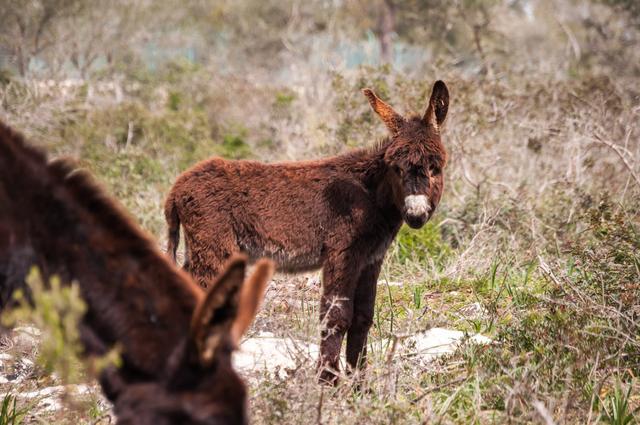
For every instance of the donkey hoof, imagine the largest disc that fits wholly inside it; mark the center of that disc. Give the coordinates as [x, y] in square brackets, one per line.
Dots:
[328, 377]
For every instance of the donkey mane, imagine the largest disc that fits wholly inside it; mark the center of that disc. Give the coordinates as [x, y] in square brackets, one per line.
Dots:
[361, 160]
[64, 172]
[89, 194]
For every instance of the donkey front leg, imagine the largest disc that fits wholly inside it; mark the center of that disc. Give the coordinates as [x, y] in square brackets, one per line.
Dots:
[363, 309]
[336, 313]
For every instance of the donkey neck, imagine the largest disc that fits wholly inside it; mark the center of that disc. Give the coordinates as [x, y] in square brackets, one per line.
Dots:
[368, 166]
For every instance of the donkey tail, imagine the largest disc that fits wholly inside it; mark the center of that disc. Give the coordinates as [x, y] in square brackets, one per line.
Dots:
[173, 227]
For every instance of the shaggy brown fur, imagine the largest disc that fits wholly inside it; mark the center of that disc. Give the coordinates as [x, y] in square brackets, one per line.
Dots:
[339, 213]
[176, 340]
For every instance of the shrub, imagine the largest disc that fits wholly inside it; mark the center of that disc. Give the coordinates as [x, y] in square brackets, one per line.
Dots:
[56, 310]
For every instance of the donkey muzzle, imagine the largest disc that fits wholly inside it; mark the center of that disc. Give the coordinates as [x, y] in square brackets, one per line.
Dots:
[416, 210]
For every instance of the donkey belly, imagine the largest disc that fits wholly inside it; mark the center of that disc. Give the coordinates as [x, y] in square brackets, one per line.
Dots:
[291, 259]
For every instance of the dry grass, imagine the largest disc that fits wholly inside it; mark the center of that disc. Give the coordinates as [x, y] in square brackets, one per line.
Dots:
[535, 243]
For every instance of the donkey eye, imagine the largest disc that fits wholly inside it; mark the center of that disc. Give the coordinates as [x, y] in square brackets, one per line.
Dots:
[435, 170]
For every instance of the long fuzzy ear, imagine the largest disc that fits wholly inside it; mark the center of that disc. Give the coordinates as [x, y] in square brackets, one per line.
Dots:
[391, 118]
[251, 297]
[215, 315]
[438, 105]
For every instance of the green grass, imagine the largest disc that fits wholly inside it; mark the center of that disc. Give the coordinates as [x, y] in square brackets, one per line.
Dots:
[10, 413]
[421, 244]
[616, 408]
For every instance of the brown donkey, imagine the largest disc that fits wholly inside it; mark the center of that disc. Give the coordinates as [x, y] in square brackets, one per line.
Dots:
[339, 213]
[175, 340]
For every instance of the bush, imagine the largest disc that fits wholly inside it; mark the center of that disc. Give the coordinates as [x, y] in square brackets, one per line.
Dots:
[56, 312]
[56, 309]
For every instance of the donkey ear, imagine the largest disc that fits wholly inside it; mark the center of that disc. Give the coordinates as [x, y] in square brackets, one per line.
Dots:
[251, 297]
[438, 105]
[215, 315]
[391, 118]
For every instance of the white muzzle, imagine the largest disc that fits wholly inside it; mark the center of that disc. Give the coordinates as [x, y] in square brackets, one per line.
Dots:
[417, 205]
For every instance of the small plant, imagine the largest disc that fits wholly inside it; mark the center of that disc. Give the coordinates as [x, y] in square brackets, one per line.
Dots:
[616, 409]
[418, 292]
[10, 414]
[284, 99]
[56, 310]
[174, 101]
[234, 146]
[96, 410]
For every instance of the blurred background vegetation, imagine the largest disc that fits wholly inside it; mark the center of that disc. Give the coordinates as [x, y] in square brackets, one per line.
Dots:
[539, 223]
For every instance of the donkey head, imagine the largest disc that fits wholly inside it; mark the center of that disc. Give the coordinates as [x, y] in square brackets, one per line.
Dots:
[415, 158]
[200, 385]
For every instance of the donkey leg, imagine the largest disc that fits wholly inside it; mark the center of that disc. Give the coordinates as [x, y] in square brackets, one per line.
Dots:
[206, 259]
[363, 309]
[336, 313]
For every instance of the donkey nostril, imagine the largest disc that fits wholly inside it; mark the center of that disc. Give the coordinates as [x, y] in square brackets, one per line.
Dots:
[416, 222]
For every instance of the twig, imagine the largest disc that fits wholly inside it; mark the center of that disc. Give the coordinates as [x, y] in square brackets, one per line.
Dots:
[547, 271]
[543, 412]
[438, 388]
[392, 351]
[618, 151]
[319, 409]
[593, 395]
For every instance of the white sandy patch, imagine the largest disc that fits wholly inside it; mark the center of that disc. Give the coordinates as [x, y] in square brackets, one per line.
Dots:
[390, 283]
[275, 355]
[437, 342]
[279, 356]
[50, 398]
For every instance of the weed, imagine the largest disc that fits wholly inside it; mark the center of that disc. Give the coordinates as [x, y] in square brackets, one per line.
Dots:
[234, 146]
[10, 414]
[616, 409]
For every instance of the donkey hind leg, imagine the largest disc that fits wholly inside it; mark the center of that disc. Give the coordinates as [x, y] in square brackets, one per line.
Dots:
[205, 260]
[336, 313]
[363, 309]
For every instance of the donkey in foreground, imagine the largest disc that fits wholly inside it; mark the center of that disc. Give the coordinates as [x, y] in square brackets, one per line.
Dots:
[175, 340]
[339, 213]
